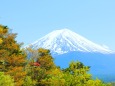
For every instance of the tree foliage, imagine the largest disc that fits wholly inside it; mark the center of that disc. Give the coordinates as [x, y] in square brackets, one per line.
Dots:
[12, 60]
[48, 74]
[6, 80]
[45, 59]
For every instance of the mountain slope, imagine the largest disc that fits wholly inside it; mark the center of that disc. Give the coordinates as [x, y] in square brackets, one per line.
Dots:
[63, 41]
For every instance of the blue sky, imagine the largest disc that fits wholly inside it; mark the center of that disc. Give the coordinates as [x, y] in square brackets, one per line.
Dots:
[32, 19]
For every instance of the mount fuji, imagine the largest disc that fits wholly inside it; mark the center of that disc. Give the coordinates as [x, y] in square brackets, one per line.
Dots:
[64, 41]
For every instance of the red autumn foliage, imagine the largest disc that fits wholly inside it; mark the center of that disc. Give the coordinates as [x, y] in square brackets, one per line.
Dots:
[35, 64]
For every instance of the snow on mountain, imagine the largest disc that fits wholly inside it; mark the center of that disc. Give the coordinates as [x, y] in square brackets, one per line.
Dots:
[63, 41]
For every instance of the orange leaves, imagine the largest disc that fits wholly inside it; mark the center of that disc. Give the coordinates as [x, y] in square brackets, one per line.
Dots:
[45, 59]
[13, 61]
[18, 75]
[3, 29]
[17, 59]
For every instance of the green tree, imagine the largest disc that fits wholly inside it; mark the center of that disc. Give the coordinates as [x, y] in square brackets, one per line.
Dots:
[96, 82]
[6, 80]
[77, 75]
[29, 82]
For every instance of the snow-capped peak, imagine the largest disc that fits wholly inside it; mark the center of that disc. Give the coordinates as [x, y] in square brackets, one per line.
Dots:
[65, 40]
